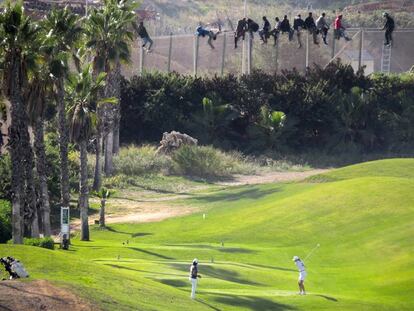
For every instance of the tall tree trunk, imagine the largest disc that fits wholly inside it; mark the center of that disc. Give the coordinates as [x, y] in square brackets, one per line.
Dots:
[109, 147]
[63, 145]
[31, 212]
[102, 214]
[17, 112]
[97, 180]
[39, 146]
[84, 191]
[117, 132]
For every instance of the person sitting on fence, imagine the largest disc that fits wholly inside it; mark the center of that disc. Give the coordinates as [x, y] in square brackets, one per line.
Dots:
[389, 29]
[323, 27]
[240, 31]
[340, 29]
[252, 27]
[298, 25]
[311, 27]
[285, 27]
[265, 31]
[143, 34]
[203, 32]
[276, 31]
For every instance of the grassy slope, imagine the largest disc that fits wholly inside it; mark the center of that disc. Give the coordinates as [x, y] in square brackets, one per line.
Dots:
[362, 216]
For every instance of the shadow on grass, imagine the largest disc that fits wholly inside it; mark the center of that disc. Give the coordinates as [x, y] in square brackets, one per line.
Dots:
[252, 303]
[271, 267]
[139, 270]
[216, 248]
[328, 298]
[150, 253]
[174, 283]
[251, 193]
[133, 235]
[217, 273]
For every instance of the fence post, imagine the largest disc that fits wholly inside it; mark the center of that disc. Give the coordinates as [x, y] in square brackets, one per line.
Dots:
[169, 53]
[307, 51]
[361, 43]
[277, 56]
[141, 60]
[223, 56]
[243, 64]
[195, 56]
[249, 53]
[333, 45]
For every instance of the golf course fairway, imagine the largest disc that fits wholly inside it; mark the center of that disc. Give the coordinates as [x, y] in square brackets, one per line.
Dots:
[362, 216]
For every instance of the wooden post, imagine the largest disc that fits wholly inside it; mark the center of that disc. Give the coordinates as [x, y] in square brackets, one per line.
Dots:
[196, 46]
[223, 55]
[169, 53]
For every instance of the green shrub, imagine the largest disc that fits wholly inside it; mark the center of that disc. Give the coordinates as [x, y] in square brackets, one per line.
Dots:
[207, 162]
[5, 221]
[5, 176]
[143, 160]
[44, 243]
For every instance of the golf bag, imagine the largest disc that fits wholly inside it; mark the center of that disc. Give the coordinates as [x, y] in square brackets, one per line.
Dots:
[14, 267]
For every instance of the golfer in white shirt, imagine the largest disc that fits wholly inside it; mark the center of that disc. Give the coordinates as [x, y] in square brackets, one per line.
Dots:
[302, 274]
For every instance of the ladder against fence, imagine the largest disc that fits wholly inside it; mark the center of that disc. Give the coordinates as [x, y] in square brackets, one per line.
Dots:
[386, 59]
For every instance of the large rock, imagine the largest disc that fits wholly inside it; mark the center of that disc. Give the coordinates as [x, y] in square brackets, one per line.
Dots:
[174, 140]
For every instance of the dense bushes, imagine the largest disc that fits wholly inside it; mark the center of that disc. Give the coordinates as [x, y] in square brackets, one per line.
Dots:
[332, 110]
[208, 162]
[197, 161]
[44, 243]
[5, 221]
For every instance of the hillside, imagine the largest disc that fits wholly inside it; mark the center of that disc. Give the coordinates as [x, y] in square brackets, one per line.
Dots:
[362, 216]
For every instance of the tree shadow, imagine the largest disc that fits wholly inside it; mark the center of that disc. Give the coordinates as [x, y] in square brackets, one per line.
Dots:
[252, 303]
[173, 283]
[217, 273]
[222, 249]
[133, 235]
[271, 267]
[251, 193]
[328, 298]
[150, 253]
[139, 270]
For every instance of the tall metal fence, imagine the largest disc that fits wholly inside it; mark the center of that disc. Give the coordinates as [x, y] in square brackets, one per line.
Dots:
[188, 54]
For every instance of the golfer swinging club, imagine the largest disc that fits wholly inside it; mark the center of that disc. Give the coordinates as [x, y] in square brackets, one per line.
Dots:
[193, 277]
[302, 274]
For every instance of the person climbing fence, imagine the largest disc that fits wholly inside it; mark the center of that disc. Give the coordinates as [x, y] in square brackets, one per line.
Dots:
[212, 35]
[340, 31]
[323, 27]
[276, 31]
[389, 28]
[298, 25]
[310, 26]
[264, 33]
[286, 28]
[240, 31]
[143, 34]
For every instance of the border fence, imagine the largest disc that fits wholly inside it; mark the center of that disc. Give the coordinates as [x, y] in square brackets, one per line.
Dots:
[189, 54]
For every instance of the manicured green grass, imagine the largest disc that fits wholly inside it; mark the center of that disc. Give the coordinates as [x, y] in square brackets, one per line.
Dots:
[363, 218]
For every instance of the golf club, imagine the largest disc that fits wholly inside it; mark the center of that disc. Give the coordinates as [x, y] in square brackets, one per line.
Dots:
[312, 251]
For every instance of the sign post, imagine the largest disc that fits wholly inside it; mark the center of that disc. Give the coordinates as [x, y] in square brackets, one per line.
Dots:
[64, 227]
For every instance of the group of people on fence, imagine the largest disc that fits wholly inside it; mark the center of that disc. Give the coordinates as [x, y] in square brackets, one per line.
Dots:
[317, 27]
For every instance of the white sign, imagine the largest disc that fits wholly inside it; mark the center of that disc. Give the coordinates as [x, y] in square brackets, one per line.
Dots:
[64, 221]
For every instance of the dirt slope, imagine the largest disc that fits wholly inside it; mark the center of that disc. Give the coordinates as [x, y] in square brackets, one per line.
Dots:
[39, 296]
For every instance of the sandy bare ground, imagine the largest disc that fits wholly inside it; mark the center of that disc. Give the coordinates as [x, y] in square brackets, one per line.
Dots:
[272, 177]
[39, 296]
[129, 210]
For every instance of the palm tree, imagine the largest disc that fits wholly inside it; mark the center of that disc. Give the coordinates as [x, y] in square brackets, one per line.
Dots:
[37, 96]
[62, 30]
[103, 194]
[17, 53]
[82, 90]
[108, 31]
